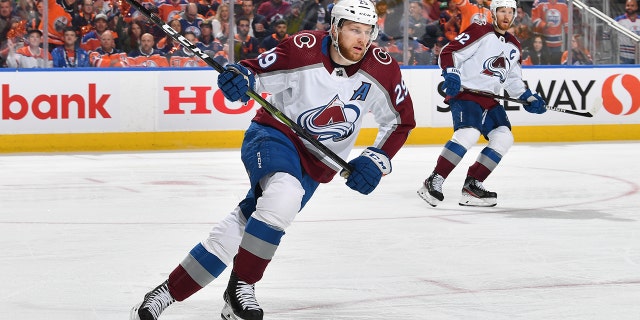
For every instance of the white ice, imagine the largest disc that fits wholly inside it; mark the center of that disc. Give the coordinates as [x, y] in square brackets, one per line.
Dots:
[85, 236]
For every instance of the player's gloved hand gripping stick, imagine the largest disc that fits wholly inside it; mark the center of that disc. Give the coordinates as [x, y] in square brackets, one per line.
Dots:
[346, 168]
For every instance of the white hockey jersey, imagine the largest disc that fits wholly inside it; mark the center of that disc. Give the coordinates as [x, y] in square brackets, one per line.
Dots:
[330, 101]
[487, 60]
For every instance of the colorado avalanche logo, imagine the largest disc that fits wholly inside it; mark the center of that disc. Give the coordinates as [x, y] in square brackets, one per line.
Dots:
[334, 120]
[382, 56]
[497, 67]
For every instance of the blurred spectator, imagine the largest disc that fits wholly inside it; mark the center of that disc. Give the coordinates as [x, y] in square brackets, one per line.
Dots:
[450, 21]
[523, 34]
[550, 18]
[206, 33]
[131, 39]
[69, 6]
[171, 9]
[107, 55]
[630, 21]
[58, 19]
[146, 55]
[392, 21]
[91, 40]
[220, 23]
[167, 45]
[522, 18]
[580, 55]
[70, 55]
[82, 21]
[381, 10]
[431, 9]
[279, 34]
[30, 55]
[274, 10]
[294, 19]
[259, 26]
[472, 13]
[189, 19]
[313, 15]
[183, 57]
[417, 22]
[208, 8]
[7, 18]
[245, 46]
[537, 54]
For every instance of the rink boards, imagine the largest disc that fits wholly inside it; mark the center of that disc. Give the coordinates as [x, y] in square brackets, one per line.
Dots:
[163, 109]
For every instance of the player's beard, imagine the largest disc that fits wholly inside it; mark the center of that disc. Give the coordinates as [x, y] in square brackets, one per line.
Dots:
[504, 26]
[347, 53]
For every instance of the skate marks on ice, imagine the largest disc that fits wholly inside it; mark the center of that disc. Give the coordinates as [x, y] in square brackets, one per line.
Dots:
[85, 236]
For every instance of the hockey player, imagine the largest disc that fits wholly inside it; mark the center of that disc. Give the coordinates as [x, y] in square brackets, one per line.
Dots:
[326, 82]
[486, 58]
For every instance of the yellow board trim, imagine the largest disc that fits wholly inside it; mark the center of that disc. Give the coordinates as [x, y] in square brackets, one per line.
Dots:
[140, 141]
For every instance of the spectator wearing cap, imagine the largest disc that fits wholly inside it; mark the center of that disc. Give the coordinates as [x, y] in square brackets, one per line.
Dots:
[189, 19]
[206, 36]
[107, 55]
[146, 55]
[279, 34]
[31, 56]
[91, 40]
[70, 55]
[260, 28]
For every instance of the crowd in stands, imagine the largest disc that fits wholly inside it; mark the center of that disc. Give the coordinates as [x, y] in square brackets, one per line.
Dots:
[110, 33]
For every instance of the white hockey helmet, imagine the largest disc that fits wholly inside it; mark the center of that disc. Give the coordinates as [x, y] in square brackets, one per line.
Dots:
[495, 4]
[361, 11]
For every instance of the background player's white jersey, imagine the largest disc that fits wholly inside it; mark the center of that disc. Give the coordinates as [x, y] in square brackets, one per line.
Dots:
[487, 60]
[330, 101]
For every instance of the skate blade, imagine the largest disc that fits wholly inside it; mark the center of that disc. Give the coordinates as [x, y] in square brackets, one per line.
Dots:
[471, 201]
[227, 313]
[133, 315]
[424, 194]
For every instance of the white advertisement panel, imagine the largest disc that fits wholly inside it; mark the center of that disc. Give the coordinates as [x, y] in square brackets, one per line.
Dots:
[167, 100]
[613, 92]
[46, 102]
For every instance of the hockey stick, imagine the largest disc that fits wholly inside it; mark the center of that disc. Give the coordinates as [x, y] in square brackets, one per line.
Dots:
[347, 169]
[587, 114]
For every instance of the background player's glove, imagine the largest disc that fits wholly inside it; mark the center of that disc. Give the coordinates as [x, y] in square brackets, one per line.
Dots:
[451, 84]
[235, 81]
[536, 103]
[368, 169]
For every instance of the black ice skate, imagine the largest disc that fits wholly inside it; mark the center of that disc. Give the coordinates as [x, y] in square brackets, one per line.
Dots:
[474, 194]
[241, 303]
[154, 303]
[431, 190]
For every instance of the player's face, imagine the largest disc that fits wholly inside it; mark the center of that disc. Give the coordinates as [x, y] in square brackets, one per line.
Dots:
[354, 39]
[504, 17]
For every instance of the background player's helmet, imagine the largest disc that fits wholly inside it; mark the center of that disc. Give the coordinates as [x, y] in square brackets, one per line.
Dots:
[362, 11]
[495, 4]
